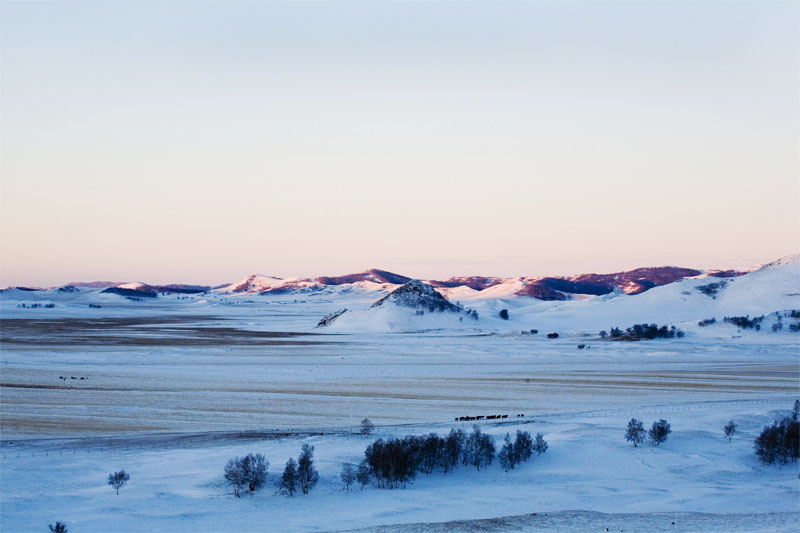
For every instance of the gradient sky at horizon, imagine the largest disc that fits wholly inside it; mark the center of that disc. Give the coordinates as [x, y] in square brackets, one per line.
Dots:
[199, 142]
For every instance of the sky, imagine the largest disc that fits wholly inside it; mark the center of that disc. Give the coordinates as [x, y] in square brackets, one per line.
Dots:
[200, 142]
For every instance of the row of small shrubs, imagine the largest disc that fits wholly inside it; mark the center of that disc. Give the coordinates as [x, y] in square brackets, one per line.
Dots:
[250, 471]
[520, 450]
[392, 463]
[642, 331]
[658, 433]
[745, 322]
[778, 442]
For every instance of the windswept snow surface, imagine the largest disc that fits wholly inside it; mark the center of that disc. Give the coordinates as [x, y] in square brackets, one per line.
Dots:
[174, 381]
[588, 467]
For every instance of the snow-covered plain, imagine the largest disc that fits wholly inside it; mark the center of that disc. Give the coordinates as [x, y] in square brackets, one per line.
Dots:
[194, 366]
[589, 466]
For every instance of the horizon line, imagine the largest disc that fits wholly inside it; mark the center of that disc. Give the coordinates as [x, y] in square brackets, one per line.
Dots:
[749, 268]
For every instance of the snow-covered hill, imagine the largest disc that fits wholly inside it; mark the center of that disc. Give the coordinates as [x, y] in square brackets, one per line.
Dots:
[774, 287]
[532, 303]
[413, 306]
[466, 287]
[258, 283]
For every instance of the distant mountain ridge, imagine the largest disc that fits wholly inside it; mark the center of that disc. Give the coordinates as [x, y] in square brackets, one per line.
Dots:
[543, 288]
[634, 281]
[638, 280]
[668, 295]
[117, 287]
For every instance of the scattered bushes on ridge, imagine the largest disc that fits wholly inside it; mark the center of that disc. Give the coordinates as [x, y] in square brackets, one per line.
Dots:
[745, 322]
[712, 288]
[645, 331]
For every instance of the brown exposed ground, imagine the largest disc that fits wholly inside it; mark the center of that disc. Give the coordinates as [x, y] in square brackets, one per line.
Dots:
[140, 331]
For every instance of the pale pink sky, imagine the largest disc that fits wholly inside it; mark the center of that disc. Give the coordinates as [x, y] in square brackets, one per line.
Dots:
[200, 142]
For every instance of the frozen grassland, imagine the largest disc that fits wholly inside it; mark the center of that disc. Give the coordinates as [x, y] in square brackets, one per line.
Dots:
[589, 467]
[206, 368]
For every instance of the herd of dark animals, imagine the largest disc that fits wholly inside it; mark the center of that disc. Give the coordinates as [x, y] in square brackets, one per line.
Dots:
[483, 417]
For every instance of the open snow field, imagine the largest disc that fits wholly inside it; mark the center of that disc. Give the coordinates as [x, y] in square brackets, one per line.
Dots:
[170, 387]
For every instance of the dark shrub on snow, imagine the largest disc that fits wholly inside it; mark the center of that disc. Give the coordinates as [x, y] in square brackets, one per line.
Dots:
[659, 431]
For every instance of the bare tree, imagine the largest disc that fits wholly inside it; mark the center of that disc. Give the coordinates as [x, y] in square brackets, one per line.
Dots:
[250, 471]
[659, 431]
[306, 473]
[506, 456]
[288, 482]
[348, 475]
[478, 448]
[117, 480]
[235, 475]
[453, 449]
[523, 446]
[635, 432]
[363, 475]
[59, 527]
[539, 444]
[367, 427]
[730, 429]
[255, 469]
